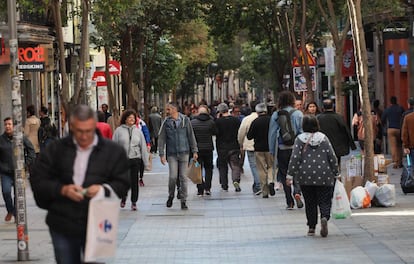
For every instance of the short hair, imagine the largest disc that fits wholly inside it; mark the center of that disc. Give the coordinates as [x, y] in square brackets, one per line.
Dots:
[154, 109]
[101, 116]
[253, 105]
[127, 113]
[105, 105]
[411, 101]
[393, 100]
[327, 104]
[31, 110]
[286, 98]
[203, 109]
[82, 113]
[44, 110]
[175, 105]
[7, 119]
[310, 124]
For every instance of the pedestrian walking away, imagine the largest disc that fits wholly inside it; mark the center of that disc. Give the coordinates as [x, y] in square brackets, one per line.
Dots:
[228, 147]
[63, 186]
[313, 166]
[204, 130]
[131, 138]
[175, 143]
[7, 165]
[31, 128]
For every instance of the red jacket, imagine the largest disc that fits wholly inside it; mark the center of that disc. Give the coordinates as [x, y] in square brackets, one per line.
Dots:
[105, 129]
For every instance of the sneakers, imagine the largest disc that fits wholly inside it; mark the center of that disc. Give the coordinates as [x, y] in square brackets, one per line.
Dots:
[225, 187]
[259, 192]
[134, 207]
[169, 202]
[8, 217]
[290, 207]
[311, 232]
[141, 183]
[122, 204]
[272, 189]
[299, 202]
[324, 227]
[184, 206]
[236, 186]
[200, 194]
[207, 192]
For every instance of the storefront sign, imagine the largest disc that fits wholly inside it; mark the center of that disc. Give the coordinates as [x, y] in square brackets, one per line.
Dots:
[31, 59]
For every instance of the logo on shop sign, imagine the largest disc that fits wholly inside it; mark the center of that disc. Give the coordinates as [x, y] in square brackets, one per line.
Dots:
[105, 226]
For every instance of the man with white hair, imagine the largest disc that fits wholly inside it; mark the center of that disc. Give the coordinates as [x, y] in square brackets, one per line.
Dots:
[204, 129]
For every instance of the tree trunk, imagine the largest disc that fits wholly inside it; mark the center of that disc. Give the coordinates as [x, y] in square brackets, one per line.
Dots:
[354, 7]
[127, 73]
[112, 103]
[81, 72]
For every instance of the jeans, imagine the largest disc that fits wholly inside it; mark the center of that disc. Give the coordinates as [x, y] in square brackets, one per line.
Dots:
[283, 157]
[253, 169]
[205, 158]
[67, 249]
[232, 158]
[178, 166]
[7, 183]
[134, 167]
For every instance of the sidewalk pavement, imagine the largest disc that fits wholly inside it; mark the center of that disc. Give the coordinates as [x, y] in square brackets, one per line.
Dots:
[230, 227]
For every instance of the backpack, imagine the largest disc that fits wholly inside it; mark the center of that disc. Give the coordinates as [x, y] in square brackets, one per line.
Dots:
[287, 133]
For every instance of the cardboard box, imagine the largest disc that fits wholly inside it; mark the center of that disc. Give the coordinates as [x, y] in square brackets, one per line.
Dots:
[382, 163]
[353, 177]
[382, 179]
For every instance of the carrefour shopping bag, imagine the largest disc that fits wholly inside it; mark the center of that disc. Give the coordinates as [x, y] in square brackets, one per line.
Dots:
[102, 228]
[340, 204]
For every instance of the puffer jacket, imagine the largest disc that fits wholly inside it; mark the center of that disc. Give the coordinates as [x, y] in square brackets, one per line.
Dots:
[108, 164]
[204, 129]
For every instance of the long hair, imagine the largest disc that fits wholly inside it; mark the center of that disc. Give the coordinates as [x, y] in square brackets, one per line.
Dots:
[286, 98]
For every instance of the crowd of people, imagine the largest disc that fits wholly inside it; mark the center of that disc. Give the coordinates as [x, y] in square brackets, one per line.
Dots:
[290, 147]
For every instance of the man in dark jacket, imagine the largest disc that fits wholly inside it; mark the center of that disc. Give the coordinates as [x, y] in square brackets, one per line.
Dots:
[228, 147]
[69, 173]
[204, 129]
[334, 127]
[7, 165]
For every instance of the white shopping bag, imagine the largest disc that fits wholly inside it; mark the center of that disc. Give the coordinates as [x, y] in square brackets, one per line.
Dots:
[102, 229]
[340, 204]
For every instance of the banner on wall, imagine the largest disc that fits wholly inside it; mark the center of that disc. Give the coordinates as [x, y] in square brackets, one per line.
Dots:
[329, 54]
[348, 61]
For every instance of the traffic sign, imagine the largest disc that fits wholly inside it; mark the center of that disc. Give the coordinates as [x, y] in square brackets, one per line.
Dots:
[114, 67]
[309, 57]
[299, 81]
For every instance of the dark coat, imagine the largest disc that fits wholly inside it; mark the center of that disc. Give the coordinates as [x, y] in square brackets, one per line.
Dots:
[204, 129]
[108, 163]
[6, 154]
[259, 131]
[334, 127]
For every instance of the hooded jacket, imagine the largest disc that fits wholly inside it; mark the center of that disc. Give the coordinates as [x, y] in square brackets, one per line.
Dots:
[313, 161]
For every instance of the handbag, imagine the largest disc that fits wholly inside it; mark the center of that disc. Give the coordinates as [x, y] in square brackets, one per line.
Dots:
[340, 204]
[194, 172]
[102, 227]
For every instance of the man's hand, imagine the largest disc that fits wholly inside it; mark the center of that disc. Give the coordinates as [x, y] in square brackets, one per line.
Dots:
[73, 192]
[163, 160]
[406, 151]
[195, 156]
[92, 190]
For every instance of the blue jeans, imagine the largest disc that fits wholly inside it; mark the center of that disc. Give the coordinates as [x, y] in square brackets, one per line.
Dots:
[7, 183]
[178, 166]
[412, 157]
[67, 249]
[252, 164]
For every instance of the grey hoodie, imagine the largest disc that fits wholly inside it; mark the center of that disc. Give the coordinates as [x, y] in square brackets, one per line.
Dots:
[313, 160]
[133, 141]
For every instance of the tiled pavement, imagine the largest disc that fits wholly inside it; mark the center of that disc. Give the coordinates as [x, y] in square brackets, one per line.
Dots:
[231, 227]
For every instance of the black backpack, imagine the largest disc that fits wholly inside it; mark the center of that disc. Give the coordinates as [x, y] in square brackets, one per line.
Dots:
[287, 133]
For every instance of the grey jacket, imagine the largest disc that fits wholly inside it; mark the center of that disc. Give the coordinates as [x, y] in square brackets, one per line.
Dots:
[177, 139]
[313, 160]
[133, 141]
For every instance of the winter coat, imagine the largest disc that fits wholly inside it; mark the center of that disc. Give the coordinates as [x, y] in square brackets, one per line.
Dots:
[132, 140]
[204, 129]
[334, 127]
[259, 131]
[227, 129]
[6, 154]
[107, 163]
[313, 161]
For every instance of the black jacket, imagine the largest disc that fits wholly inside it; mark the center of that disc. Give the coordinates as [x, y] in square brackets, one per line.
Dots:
[334, 127]
[108, 163]
[204, 129]
[6, 154]
[259, 131]
[227, 130]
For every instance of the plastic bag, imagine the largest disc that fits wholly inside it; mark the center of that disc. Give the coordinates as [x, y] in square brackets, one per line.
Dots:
[371, 188]
[194, 172]
[340, 204]
[385, 195]
[360, 198]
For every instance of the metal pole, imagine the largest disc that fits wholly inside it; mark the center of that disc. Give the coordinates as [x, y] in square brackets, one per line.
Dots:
[19, 166]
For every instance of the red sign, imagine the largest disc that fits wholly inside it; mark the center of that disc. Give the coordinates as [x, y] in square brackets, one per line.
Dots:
[311, 60]
[30, 54]
[99, 78]
[348, 61]
[114, 67]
